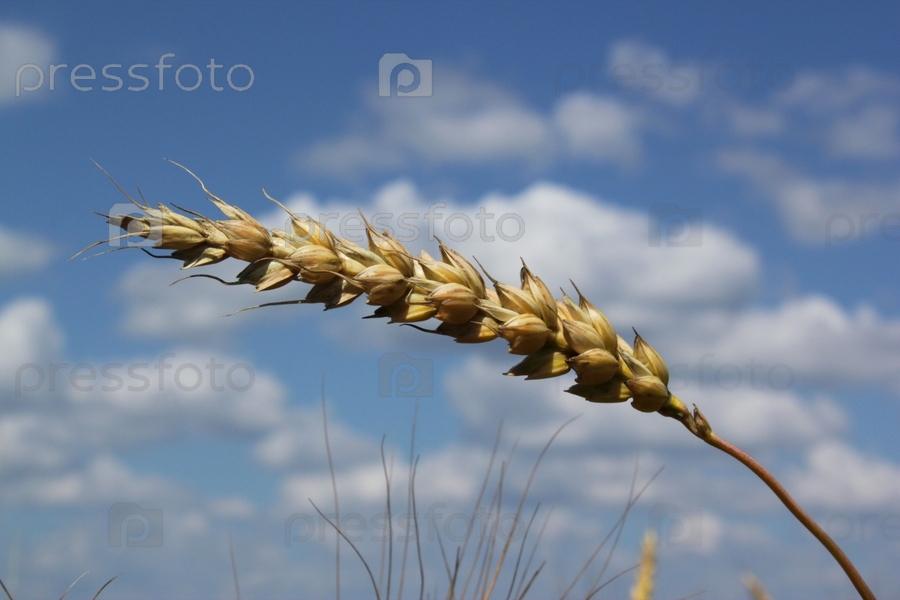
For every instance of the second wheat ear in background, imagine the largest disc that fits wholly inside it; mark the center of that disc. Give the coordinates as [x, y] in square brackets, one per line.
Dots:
[554, 335]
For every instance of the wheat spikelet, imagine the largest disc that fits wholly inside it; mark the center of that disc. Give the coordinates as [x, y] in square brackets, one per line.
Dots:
[553, 335]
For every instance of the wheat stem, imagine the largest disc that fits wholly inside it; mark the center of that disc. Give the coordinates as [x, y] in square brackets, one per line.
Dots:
[798, 512]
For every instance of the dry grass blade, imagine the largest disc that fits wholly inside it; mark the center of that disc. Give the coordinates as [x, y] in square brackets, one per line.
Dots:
[68, 589]
[103, 587]
[520, 593]
[352, 545]
[390, 520]
[600, 587]
[416, 524]
[512, 581]
[337, 510]
[617, 530]
[410, 503]
[234, 573]
[518, 514]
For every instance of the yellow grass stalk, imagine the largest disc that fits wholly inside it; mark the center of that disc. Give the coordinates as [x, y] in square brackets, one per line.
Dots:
[754, 586]
[643, 583]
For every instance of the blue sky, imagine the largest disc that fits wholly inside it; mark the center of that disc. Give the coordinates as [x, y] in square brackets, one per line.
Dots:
[721, 176]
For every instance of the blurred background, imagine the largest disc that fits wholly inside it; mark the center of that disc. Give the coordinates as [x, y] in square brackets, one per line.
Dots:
[721, 176]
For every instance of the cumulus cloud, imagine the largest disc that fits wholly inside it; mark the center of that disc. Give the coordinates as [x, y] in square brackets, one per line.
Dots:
[533, 409]
[29, 334]
[21, 252]
[613, 253]
[158, 307]
[814, 338]
[823, 92]
[473, 122]
[754, 121]
[641, 67]
[298, 441]
[849, 117]
[823, 209]
[66, 417]
[600, 128]
[870, 134]
[465, 121]
[104, 479]
[838, 476]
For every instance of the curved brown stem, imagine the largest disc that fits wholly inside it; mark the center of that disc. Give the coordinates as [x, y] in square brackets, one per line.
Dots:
[699, 426]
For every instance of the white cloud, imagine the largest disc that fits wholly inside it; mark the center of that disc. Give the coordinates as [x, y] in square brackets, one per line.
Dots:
[162, 397]
[534, 409]
[604, 248]
[20, 45]
[837, 476]
[349, 155]
[600, 128]
[298, 440]
[562, 234]
[473, 122]
[104, 479]
[232, 508]
[465, 121]
[60, 429]
[823, 93]
[28, 334]
[870, 134]
[157, 307]
[826, 209]
[812, 337]
[22, 253]
[753, 121]
[637, 66]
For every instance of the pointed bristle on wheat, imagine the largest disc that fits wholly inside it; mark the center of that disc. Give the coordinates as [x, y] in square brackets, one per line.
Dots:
[553, 335]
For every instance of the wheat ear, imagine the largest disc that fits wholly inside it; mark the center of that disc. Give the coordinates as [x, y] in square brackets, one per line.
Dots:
[554, 335]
